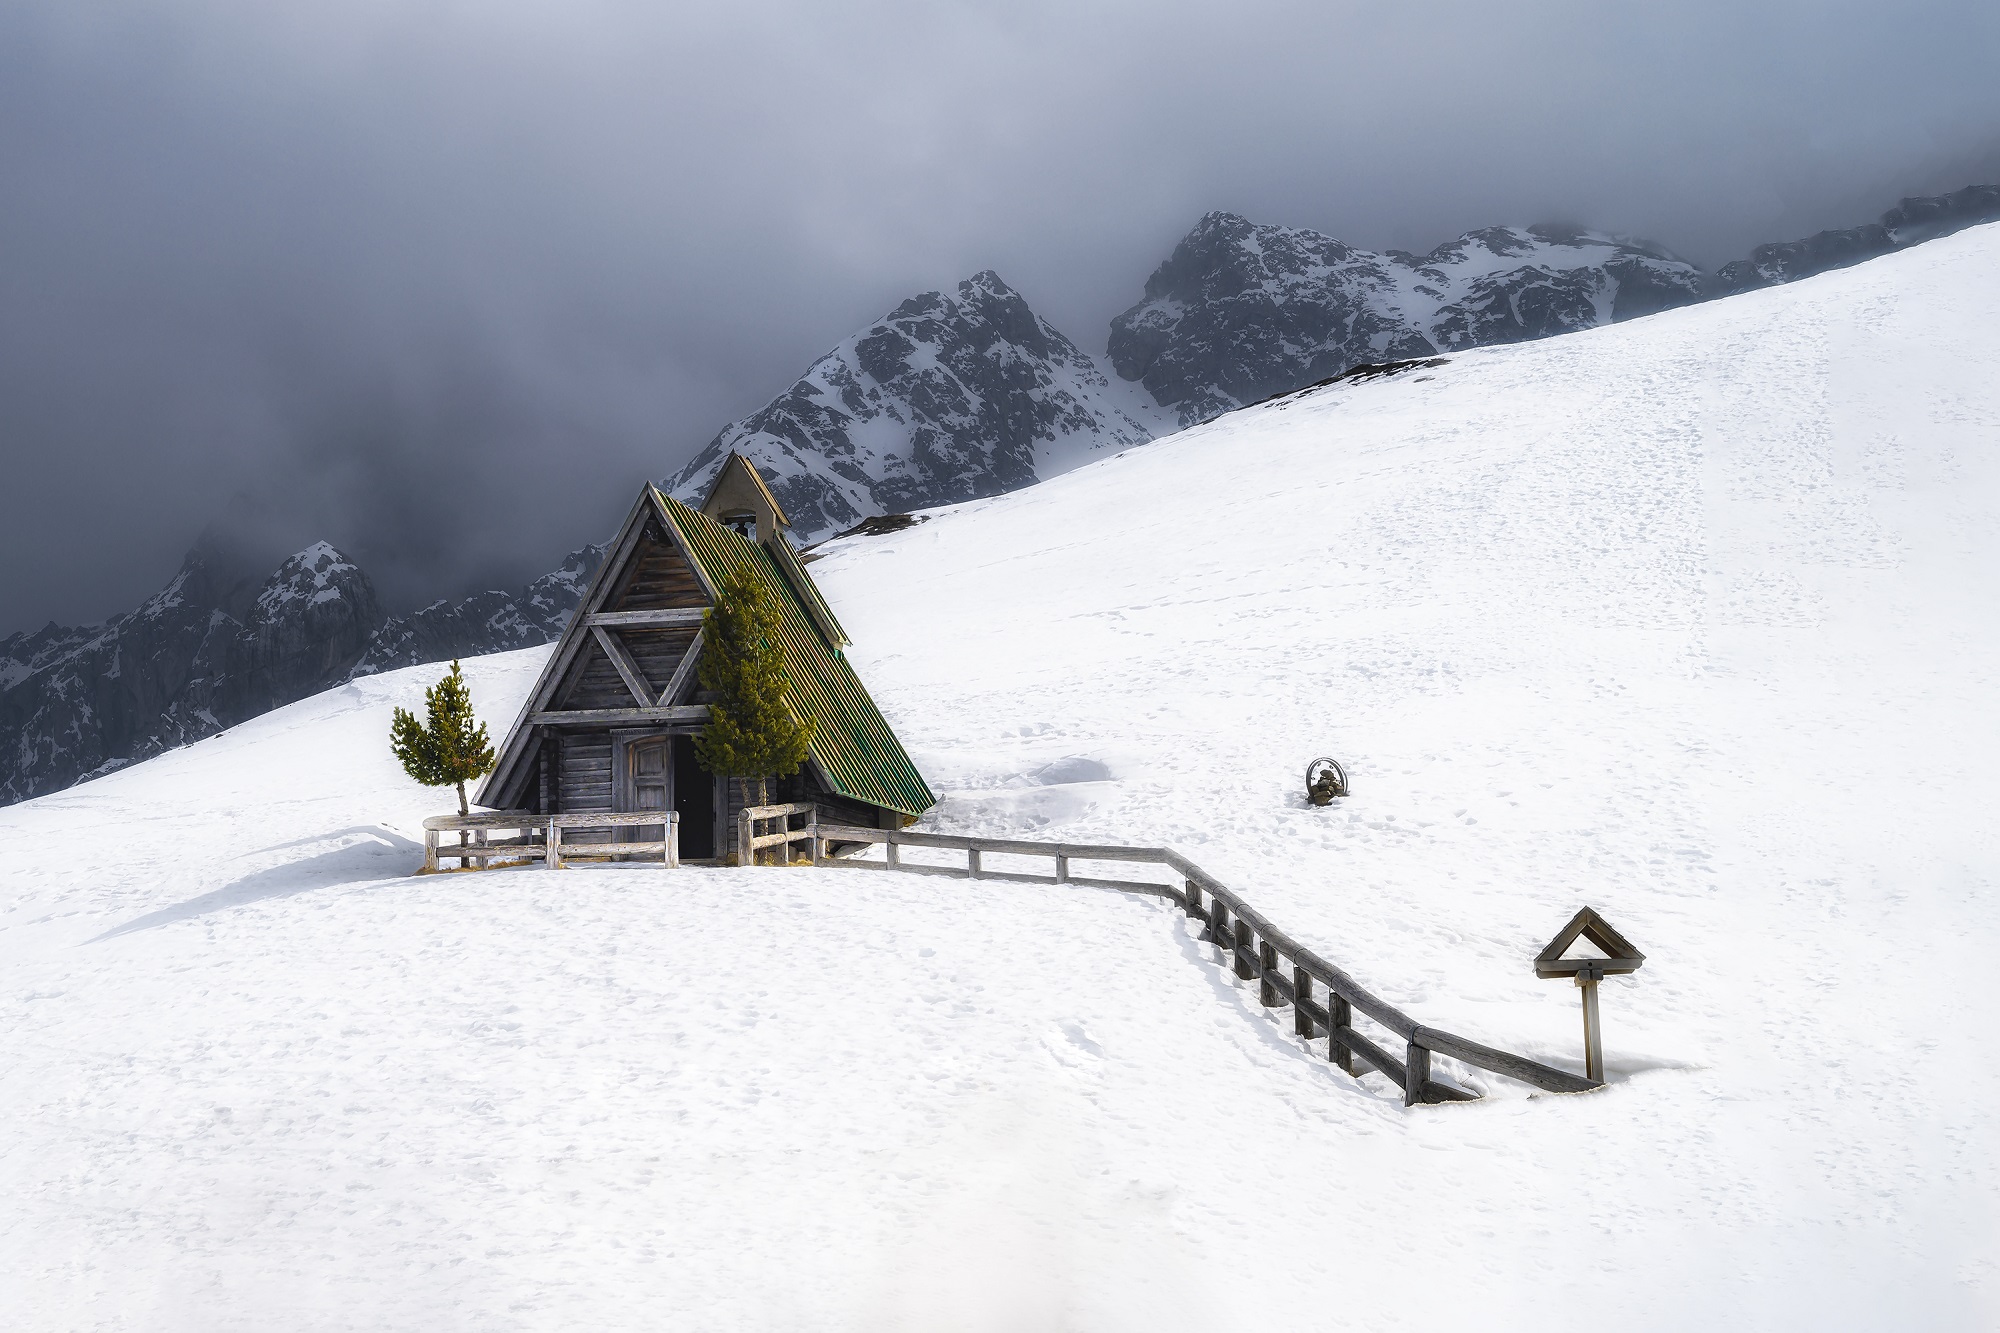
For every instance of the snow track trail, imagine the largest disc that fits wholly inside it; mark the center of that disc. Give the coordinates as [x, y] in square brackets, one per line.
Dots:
[1691, 619]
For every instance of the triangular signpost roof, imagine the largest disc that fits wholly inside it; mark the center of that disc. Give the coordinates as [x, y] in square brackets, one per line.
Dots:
[1620, 957]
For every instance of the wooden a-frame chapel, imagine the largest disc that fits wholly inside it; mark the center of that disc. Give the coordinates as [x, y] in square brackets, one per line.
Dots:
[611, 723]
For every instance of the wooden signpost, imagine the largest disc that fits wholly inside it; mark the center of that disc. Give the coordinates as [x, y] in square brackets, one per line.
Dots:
[1619, 959]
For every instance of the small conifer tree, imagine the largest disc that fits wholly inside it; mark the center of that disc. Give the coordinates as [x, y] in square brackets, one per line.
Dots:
[452, 749]
[751, 731]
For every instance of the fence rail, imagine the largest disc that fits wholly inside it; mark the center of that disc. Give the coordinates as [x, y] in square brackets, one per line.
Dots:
[549, 847]
[749, 841]
[1285, 970]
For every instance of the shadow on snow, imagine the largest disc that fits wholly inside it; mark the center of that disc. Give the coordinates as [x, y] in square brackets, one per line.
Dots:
[384, 855]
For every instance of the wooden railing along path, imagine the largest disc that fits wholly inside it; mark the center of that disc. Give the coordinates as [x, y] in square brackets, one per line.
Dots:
[1285, 970]
[550, 847]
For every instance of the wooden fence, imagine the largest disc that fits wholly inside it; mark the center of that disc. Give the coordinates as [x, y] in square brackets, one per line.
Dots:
[749, 841]
[1286, 971]
[549, 847]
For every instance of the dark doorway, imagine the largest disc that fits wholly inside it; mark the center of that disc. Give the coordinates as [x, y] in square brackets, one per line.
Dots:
[694, 797]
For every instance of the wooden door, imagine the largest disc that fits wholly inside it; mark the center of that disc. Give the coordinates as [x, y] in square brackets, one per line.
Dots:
[651, 783]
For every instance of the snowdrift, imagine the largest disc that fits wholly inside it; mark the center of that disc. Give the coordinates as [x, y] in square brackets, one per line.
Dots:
[1690, 619]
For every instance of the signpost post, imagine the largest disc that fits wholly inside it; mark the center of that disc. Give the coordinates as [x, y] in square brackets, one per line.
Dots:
[1619, 959]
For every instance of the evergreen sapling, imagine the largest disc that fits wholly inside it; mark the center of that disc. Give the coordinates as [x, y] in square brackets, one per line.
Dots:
[451, 748]
[751, 732]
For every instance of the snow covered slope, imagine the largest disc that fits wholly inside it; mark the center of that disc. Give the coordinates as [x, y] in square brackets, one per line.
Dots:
[1690, 619]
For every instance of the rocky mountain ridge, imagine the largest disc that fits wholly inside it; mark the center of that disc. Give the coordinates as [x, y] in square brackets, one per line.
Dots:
[218, 645]
[1243, 310]
[948, 397]
[1910, 222]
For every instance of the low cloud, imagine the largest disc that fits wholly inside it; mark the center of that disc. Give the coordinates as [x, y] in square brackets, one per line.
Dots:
[443, 283]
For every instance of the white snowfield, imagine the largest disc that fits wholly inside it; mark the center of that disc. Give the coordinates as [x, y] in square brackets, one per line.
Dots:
[1692, 619]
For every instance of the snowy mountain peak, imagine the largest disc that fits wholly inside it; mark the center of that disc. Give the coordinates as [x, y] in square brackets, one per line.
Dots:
[316, 575]
[948, 397]
[1243, 310]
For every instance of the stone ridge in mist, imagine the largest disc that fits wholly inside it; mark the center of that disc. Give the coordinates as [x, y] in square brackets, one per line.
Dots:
[944, 399]
[1910, 222]
[486, 622]
[1242, 310]
[218, 646]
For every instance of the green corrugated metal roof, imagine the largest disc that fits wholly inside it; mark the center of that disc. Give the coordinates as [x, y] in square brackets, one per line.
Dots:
[852, 743]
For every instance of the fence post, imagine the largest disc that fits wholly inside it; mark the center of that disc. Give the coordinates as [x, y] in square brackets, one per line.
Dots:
[745, 831]
[1218, 924]
[1244, 971]
[1193, 899]
[812, 826]
[1267, 963]
[430, 849]
[1302, 993]
[1417, 1060]
[972, 863]
[1062, 868]
[1341, 1016]
[555, 843]
[1593, 1031]
[672, 854]
[892, 853]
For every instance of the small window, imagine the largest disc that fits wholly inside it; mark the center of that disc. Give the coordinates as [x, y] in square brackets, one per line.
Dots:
[743, 523]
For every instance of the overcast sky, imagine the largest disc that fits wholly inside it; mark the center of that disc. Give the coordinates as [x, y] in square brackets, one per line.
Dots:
[442, 282]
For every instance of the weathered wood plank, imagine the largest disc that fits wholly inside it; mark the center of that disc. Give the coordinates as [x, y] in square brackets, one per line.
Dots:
[1280, 987]
[635, 679]
[998, 846]
[1167, 891]
[679, 615]
[1333, 978]
[1374, 1055]
[773, 811]
[587, 716]
[1246, 969]
[583, 851]
[489, 819]
[1518, 1067]
[690, 663]
[611, 818]
[1302, 989]
[1267, 967]
[1417, 1073]
[1339, 1018]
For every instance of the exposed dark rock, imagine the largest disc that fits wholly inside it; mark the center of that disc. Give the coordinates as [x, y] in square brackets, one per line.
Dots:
[946, 398]
[207, 651]
[1242, 311]
[216, 647]
[487, 622]
[1908, 223]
